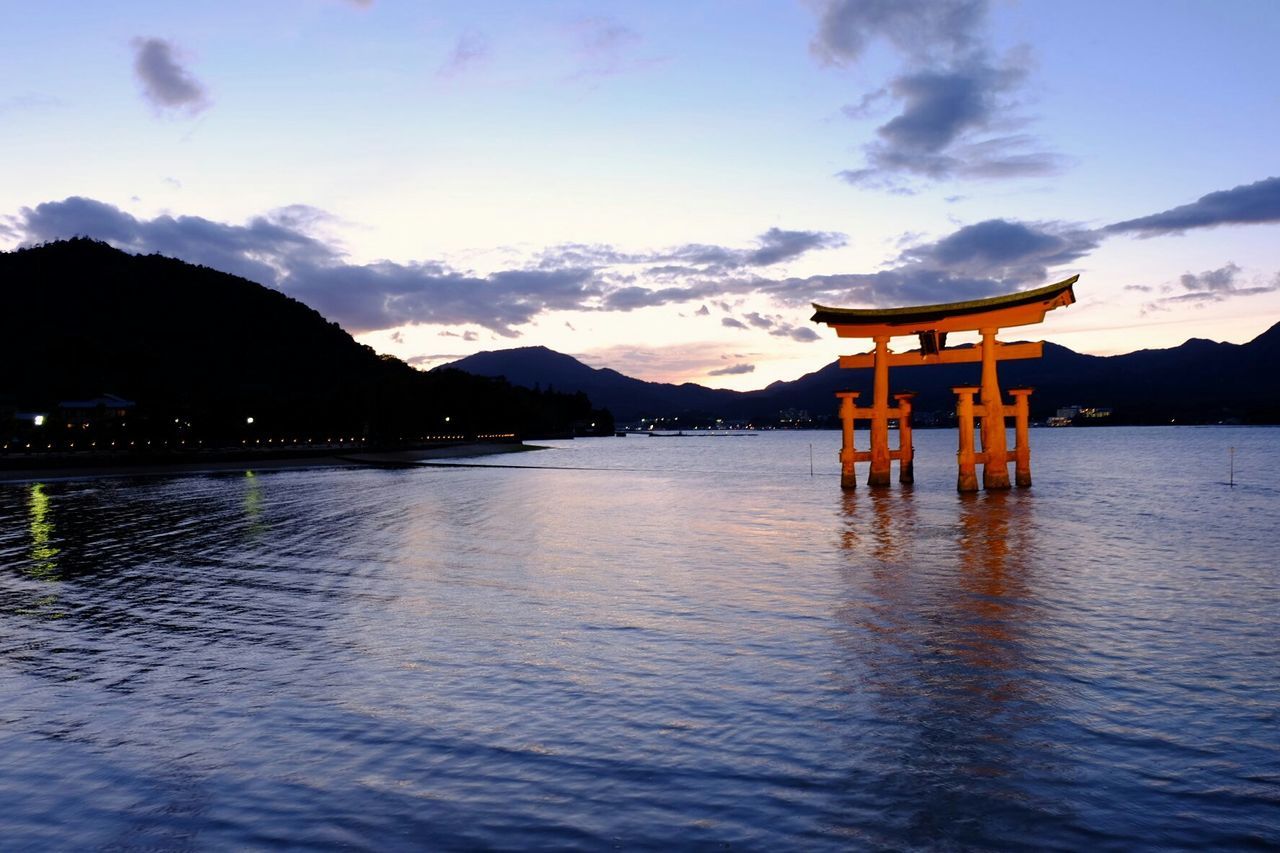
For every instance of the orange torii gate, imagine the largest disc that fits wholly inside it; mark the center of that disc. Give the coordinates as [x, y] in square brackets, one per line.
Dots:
[931, 324]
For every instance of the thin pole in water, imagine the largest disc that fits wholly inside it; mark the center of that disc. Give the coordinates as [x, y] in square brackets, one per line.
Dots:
[1232, 475]
[811, 459]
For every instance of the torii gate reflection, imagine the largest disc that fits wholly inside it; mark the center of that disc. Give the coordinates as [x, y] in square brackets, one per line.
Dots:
[931, 324]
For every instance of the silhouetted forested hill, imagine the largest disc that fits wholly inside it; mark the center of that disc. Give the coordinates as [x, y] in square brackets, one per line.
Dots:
[81, 319]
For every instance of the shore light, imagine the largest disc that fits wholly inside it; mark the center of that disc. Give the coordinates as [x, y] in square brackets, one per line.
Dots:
[38, 420]
[248, 420]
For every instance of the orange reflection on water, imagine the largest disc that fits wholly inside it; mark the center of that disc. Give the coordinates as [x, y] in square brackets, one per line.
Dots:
[997, 545]
[888, 530]
[941, 611]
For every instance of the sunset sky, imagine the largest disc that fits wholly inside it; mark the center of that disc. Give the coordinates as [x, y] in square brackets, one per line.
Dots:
[664, 187]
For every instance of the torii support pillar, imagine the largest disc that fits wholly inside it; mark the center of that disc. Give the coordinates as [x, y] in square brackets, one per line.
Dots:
[1022, 436]
[966, 458]
[995, 445]
[848, 478]
[880, 454]
[906, 451]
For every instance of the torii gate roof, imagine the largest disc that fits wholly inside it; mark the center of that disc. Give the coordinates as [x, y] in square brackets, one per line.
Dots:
[1012, 309]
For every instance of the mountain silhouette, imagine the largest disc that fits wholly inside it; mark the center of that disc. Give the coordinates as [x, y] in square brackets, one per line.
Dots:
[541, 367]
[1198, 382]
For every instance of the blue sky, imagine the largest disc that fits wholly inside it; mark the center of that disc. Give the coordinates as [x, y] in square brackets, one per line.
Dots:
[664, 187]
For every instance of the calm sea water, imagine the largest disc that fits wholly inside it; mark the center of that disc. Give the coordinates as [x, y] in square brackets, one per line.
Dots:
[646, 643]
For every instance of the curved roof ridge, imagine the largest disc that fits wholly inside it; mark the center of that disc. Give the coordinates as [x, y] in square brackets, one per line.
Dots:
[925, 313]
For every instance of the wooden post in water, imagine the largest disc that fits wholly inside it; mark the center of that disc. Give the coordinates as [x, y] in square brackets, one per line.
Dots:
[848, 478]
[967, 479]
[995, 470]
[879, 475]
[906, 451]
[1022, 435]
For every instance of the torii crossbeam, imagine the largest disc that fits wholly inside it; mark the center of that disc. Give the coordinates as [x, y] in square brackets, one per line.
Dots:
[931, 324]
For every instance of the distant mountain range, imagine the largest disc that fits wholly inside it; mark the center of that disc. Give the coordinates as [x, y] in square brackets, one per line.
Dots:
[1198, 382]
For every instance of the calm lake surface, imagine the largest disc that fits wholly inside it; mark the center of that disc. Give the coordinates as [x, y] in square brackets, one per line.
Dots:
[642, 643]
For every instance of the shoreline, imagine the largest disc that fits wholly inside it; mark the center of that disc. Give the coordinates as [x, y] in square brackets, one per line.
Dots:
[337, 458]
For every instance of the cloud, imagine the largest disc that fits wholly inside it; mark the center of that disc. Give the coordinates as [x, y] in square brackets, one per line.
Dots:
[867, 105]
[603, 47]
[277, 250]
[733, 370]
[773, 247]
[470, 49]
[939, 106]
[165, 84]
[1221, 280]
[1212, 286]
[777, 245]
[957, 109]
[911, 284]
[935, 135]
[973, 262]
[777, 326]
[283, 249]
[1246, 204]
[951, 125]
[925, 30]
[1005, 250]
[803, 334]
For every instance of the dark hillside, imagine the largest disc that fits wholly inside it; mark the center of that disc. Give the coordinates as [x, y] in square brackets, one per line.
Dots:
[82, 318]
[189, 343]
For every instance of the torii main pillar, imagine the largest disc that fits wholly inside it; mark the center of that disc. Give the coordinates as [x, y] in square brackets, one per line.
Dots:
[931, 324]
[995, 470]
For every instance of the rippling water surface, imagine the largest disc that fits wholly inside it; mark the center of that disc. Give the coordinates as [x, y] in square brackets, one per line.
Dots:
[649, 643]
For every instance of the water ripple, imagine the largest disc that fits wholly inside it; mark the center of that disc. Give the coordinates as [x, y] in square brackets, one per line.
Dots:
[650, 644]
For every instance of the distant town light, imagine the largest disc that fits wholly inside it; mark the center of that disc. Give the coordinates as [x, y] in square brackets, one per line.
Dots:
[248, 420]
[38, 420]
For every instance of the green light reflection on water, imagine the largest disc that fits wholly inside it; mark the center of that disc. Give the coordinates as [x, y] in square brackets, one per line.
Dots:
[43, 553]
[253, 504]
